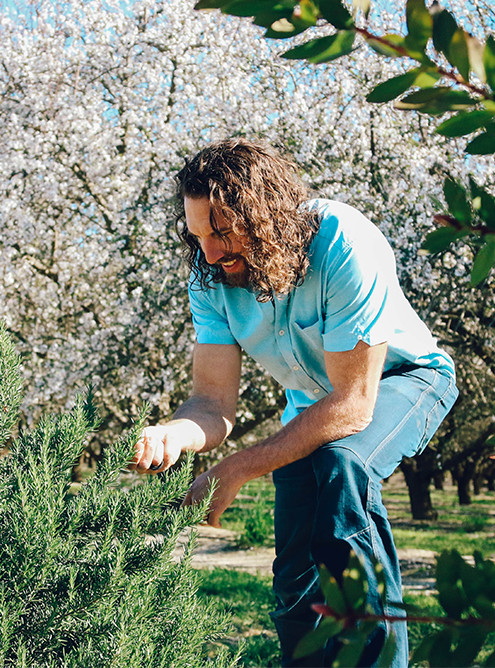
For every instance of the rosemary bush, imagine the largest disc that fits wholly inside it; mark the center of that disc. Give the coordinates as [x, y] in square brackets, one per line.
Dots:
[88, 579]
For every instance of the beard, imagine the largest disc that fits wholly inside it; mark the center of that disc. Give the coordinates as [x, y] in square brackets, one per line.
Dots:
[237, 279]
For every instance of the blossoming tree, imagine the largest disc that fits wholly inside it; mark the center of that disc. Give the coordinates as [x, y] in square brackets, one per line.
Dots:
[99, 105]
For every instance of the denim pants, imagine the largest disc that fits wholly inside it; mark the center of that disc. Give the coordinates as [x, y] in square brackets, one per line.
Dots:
[331, 500]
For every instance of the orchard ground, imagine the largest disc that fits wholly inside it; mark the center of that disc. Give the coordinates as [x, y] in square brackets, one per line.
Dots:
[239, 577]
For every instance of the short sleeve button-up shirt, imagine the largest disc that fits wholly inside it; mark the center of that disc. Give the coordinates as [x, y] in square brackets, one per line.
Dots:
[350, 293]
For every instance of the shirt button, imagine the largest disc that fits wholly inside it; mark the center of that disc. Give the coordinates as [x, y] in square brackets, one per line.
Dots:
[316, 390]
[282, 332]
[295, 367]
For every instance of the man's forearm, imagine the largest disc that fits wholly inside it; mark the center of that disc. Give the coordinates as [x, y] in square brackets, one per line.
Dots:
[328, 420]
[209, 427]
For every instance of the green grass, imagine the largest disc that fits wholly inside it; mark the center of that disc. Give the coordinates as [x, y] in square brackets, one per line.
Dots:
[464, 528]
[249, 598]
[251, 515]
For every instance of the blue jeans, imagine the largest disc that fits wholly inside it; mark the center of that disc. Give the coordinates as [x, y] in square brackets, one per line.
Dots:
[331, 501]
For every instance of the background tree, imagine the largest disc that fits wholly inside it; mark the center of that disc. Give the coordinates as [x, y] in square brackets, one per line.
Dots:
[99, 105]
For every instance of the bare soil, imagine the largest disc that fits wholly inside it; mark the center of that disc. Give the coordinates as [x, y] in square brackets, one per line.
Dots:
[217, 548]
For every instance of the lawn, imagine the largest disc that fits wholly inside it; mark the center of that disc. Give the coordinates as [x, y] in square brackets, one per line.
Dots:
[250, 599]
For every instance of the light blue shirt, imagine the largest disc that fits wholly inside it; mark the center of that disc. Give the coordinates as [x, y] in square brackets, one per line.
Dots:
[350, 293]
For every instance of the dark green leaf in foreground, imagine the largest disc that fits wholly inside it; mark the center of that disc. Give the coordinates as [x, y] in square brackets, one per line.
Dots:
[444, 27]
[489, 62]
[381, 583]
[351, 650]
[440, 239]
[331, 591]
[450, 590]
[247, 7]
[422, 651]
[483, 262]
[211, 4]
[355, 584]
[484, 606]
[483, 204]
[385, 46]
[439, 655]
[449, 565]
[392, 88]
[323, 49]
[317, 639]
[453, 599]
[337, 14]
[487, 567]
[483, 144]
[452, 41]
[457, 201]
[470, 642]
[419, 25]
[465, 122]
[389, 90]
[458, 53]
[388, 651]
[437, 100]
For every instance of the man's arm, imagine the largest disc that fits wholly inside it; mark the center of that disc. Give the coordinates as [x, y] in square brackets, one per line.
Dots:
[355, 377]
[204, 420]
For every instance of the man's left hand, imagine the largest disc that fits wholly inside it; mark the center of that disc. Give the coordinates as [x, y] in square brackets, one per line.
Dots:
[227, 487]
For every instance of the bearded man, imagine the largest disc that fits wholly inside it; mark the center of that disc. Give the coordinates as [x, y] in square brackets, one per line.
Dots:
[309, 290]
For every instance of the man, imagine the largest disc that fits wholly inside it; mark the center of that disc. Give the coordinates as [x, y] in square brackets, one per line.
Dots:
[309, 290]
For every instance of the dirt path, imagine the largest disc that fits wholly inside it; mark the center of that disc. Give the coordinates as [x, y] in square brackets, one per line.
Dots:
[216, 548]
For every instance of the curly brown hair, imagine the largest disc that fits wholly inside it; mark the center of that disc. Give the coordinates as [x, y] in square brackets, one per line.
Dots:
[257, 190]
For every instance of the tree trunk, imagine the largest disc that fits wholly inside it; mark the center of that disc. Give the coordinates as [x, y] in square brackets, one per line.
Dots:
[463, 474]
[439, 479]
[418, 485]
[463, 490]
[477, 483]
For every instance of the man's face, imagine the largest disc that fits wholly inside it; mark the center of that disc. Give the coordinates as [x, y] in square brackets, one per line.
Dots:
[224, 250]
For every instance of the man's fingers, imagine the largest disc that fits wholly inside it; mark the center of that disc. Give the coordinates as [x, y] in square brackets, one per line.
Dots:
[133, 464]
[157, 449]
[213, 519]
[187, 501]
[157, 460]
[149, 452]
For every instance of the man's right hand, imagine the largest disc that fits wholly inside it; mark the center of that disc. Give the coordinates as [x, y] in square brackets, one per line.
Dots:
[159, 446]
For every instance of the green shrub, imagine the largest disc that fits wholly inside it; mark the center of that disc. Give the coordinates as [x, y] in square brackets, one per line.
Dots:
[258, 526]
[89, 579]
[475, 523]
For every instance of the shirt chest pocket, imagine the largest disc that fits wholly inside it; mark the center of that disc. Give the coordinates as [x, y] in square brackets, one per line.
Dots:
[307, 345]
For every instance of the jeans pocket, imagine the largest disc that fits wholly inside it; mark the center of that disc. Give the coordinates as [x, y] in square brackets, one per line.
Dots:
[439, 410]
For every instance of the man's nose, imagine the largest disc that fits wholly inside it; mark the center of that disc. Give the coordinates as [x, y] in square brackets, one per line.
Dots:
[213, 249]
